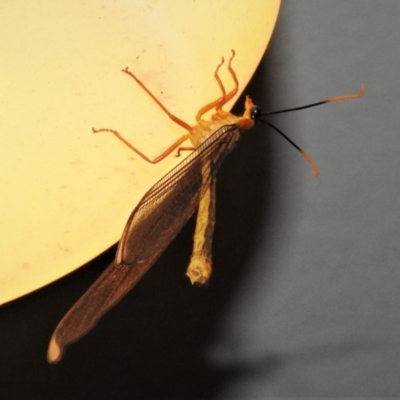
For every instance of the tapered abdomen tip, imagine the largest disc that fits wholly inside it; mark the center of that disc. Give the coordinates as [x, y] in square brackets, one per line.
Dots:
[54, 352]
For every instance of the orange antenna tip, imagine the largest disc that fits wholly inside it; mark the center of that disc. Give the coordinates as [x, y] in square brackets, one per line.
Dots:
[315, 170]
[348, 96]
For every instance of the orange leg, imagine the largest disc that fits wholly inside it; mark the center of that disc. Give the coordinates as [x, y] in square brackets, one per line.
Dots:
[138, 152]
[177, 120]
[178, 152]
[219, 103]
[232, 93]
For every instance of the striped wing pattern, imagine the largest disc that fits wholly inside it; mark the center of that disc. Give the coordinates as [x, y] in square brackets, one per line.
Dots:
[153, 224]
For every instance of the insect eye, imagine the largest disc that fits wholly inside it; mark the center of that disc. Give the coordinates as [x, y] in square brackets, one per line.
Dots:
[255, 113]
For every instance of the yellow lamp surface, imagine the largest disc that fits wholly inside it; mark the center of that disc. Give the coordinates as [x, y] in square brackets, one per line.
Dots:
[67, 193]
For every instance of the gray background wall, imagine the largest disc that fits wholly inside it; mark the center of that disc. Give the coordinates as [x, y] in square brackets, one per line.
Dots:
[318, 311]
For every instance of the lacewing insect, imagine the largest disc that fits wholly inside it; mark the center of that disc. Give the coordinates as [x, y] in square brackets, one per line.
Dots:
[167, 206]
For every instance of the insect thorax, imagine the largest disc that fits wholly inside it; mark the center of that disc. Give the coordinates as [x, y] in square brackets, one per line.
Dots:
[204, 129]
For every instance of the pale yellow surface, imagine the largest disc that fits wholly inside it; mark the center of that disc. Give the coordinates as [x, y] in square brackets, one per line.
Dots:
[65, 192]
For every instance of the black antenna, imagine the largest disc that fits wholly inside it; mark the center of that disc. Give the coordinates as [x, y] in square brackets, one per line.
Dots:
[257, 115]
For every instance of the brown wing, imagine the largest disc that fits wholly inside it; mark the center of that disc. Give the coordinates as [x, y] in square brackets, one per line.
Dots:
[153, 224]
